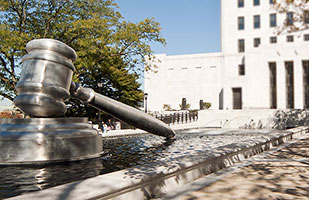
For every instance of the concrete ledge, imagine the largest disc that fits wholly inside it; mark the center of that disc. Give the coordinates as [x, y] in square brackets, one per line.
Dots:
[175, 127]
[125, 132]
[157, 179]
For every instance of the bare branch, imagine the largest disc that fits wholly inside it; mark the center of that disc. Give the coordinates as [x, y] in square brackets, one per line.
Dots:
[3, 78]
[53, 15]
[12, 66]
[3, 61]
[6, 96]
[12, 71]
[298, 8]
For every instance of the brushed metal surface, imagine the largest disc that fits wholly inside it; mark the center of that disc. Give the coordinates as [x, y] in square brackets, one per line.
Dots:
[44, 140]
[45, 78]
[124, 112]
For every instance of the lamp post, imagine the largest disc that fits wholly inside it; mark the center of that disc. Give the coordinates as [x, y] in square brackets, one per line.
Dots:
[100, 85]
[145, 96]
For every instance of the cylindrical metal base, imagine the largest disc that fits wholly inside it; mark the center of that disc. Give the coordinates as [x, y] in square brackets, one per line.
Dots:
[45, 140]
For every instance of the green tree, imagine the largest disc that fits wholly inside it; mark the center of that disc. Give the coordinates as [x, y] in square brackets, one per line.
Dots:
[298, 11]
[167, 107]
[206, 105]
[111, 51]
[186, 107]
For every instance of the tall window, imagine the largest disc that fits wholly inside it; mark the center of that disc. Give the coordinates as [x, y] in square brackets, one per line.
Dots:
[256, 42]
[306, 83]
[241, 70]
[290, 38]
[237, 98]
[306, 16]
[273, 84]
[289, 18]
[273, 20]
[241, 3]
[241, 23]
[273, 39]
[256, 2]
[241, 45]
[289, 77]
[306, 37]
[256, 21]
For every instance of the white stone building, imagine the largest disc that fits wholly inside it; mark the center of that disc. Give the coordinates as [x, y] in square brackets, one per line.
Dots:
[256, 68]
[194, 77]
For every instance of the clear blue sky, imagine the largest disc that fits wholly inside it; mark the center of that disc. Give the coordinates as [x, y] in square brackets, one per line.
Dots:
[189, 26]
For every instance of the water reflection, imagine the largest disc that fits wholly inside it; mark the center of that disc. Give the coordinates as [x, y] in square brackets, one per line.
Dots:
[132, 151]
[15, 180]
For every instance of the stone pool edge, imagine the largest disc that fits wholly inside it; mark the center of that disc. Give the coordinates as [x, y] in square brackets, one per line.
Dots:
[144, 182]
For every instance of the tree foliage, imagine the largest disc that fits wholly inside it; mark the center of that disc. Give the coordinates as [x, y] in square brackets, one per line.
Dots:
[111, 51]
[299, 10]
[206, 105]
[167, 107]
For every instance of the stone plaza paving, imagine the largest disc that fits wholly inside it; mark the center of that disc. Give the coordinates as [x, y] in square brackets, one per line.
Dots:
[282, 173]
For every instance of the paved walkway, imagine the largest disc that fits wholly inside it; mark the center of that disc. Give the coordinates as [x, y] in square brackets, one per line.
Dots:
[282, 173]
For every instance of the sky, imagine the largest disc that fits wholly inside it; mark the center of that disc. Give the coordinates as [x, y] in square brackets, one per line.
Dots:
[189, 26]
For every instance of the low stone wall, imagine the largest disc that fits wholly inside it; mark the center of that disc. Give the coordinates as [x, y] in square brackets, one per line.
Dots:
[254, 118]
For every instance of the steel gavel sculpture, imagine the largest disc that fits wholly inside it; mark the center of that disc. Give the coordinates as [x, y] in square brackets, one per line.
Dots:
[46, 82]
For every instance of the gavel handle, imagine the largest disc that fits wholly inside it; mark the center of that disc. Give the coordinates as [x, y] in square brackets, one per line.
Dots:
[122, 111]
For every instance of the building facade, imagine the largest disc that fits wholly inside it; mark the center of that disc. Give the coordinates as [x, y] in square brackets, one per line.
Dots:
[257, 68]
[194, 77]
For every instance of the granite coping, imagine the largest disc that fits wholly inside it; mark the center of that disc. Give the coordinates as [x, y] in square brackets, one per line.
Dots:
[281, 173]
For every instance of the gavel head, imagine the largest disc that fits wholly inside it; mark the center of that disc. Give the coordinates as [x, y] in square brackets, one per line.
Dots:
[45, 78]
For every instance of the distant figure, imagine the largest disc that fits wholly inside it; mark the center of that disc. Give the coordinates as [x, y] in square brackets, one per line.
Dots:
[100, 125]
[110, 125]
[104, 126]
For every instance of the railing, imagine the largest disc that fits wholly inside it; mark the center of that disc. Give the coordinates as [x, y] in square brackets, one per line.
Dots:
[178, 118]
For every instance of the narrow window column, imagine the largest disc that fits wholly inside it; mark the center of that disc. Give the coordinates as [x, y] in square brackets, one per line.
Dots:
[289, 71]
[306, 83]
[237, 98]
[273, 84]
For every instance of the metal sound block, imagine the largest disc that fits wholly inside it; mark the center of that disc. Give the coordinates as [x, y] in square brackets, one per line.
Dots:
[45, 140]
